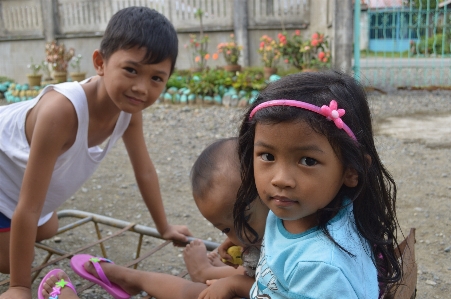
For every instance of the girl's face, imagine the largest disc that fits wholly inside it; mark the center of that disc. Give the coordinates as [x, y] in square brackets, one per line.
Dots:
[297, 172]
[131, 84]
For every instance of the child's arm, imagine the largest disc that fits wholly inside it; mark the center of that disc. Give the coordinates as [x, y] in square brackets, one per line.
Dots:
[229, 287]
[49, 134]
[147, 180]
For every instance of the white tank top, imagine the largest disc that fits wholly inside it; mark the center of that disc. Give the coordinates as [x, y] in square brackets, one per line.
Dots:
[72, 168]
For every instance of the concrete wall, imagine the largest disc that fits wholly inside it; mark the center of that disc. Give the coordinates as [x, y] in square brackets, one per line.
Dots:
[16, 52]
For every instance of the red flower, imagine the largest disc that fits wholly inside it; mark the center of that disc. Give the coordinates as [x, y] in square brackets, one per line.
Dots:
[321, 55]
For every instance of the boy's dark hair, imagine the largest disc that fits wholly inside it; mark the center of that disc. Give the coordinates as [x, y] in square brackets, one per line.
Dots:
[208, 163]
[373, 198]
[141, 27]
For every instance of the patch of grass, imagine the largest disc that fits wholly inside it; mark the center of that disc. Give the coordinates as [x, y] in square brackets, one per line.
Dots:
[371, 54]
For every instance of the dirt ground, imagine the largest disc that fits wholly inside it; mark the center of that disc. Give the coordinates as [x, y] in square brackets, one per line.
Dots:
[177, 134]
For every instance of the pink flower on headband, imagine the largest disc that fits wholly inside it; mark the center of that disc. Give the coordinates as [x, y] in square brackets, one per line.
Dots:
[332, 113]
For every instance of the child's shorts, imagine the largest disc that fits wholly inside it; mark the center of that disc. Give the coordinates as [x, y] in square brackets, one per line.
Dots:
[5, 223]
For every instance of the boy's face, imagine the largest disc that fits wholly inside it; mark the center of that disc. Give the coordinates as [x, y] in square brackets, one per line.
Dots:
[217, 207]
[131, 84]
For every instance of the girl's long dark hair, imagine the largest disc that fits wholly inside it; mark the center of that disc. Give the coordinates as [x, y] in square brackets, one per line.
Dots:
[374, 198]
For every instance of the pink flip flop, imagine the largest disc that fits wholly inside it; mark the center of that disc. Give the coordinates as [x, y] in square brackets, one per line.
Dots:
[77, 262]
[59, 285]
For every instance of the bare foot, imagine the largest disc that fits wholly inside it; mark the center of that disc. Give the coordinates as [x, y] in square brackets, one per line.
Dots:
[215, 259]
[196, 260]
[66, 292]
[122, 276]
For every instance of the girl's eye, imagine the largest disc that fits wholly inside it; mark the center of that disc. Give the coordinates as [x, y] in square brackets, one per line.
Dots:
[308, 161]
[130, 70]
[226, 230]
[267, 157]
[158, 79]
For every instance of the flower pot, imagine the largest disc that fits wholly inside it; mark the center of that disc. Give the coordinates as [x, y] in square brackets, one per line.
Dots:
[268, 71]
[78, 76]
[34, 80]
[195, 69]
[232, 67]
[60, 76]
[309, 70]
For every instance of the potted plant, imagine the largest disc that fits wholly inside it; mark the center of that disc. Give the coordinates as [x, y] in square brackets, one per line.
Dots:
[46, 68]
[270, 55]
[75, 63]
[34, 79]
[307, 55]
[58, 57]
[198, 46]
[231, 52]
[199, 52]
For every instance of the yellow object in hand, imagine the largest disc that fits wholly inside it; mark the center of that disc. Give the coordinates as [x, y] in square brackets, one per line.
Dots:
[235, 253]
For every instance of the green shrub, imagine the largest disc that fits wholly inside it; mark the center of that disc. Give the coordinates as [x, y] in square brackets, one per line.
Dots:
[428, 47]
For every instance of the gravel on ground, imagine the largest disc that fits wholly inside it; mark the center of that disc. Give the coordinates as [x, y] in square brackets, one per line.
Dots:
[175, 136]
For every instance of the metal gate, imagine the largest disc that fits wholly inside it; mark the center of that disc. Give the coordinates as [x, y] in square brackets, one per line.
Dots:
[403, 44]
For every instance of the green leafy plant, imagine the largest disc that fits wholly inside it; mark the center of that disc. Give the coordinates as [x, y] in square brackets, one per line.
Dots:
[231, 51]
[214, 82]
[209, 82]
[308, 53]
[177, 80]
[46, 70]
[75, 62]
[269, 51]
[34, 67]
[198, 45]
[436, 45]
[249, 80]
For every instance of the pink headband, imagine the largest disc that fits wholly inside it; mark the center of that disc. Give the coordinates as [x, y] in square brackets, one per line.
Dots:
[330, 112]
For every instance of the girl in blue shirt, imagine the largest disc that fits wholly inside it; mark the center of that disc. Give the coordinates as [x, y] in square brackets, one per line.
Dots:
[307, 152]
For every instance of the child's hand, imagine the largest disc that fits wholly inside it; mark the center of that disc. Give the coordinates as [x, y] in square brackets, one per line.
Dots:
[235, 253]
[16, 293]
[177, 233]
[225, 257]
[217, 289]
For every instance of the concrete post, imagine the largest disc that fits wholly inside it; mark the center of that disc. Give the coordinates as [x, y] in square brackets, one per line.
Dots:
[343, 35]
[240, 28]
[48, 19]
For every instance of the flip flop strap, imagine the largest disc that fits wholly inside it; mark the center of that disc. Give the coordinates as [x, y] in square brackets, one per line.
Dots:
[57, 289]
[96, 263]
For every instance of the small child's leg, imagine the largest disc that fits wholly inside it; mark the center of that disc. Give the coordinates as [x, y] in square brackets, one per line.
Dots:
[159, 285]
[215, 259]
[196, 261]
[199, 267]
[50, 283]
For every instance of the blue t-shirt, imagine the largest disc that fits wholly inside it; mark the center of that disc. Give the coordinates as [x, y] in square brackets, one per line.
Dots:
[309, 265]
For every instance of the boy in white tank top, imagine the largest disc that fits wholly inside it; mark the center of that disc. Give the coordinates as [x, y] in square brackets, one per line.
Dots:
[49, 145]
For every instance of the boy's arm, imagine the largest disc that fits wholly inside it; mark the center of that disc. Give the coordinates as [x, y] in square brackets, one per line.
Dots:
[147, 180]
[229, 287]
[50, 133]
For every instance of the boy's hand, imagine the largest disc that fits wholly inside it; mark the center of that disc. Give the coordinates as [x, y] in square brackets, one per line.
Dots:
[222, 251]
[177, 233]
[16, 293]
[217, 289]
